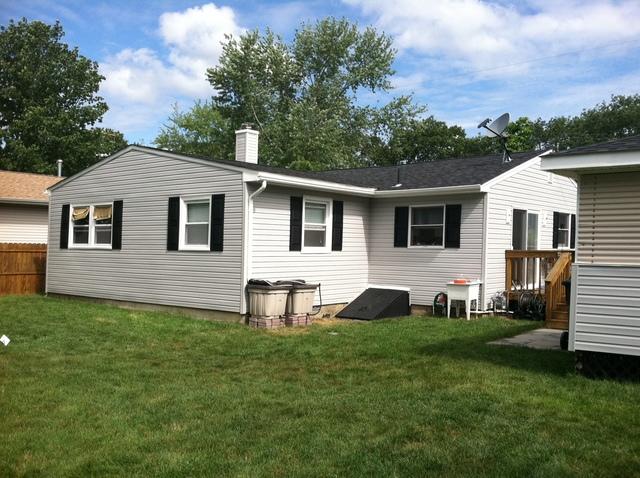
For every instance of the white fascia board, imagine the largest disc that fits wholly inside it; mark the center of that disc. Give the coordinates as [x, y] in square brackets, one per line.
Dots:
[594, 161]
[507, 174]
[30, 202]
[470, 188]
[306, 183]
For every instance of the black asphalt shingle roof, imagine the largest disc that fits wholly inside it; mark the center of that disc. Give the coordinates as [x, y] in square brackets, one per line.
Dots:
[433, 174]
[630, 143]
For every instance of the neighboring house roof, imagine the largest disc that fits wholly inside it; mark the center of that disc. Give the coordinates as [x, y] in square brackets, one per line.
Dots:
[445, 173]
[25, 188]
[630, 143]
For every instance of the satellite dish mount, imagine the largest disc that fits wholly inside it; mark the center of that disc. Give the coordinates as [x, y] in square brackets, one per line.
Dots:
[496, 129]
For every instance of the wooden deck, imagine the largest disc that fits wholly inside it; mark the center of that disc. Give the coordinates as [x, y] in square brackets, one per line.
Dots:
[540, 272]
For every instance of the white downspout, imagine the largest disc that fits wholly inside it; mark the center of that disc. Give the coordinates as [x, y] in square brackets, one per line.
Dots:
[249, 240]
[258, 191]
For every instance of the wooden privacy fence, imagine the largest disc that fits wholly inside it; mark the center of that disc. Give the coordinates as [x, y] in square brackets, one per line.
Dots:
[22, 268]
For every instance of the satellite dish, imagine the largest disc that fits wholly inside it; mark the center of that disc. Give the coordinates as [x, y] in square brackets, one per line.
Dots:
[495, 129]
[497, 126]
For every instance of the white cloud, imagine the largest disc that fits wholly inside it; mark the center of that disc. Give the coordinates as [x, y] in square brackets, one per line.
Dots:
[142, 83]
[478, 34]
[194, 36]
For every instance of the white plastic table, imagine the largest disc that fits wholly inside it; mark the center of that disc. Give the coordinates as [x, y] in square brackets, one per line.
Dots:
[466, 292]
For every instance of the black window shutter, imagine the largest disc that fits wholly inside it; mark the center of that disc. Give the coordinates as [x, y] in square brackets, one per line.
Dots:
[556, 226]
[452, 221]
[217, 223]
[338, 217]
[295, 224]
[401, 227]
[173, 224]
[116, 233]
[64, 227]
[573, 231]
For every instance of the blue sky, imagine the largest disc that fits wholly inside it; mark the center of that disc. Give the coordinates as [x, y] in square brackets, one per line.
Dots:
[465, 59]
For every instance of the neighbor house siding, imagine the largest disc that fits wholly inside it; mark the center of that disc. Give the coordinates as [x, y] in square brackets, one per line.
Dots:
[607, 309]
[609, 229]
[531, 189]
[425, 270]
[343, 274]
[144, 271]
[23, 223]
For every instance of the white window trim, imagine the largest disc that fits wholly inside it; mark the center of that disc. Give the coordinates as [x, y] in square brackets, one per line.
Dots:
[92, 229]
[444, 225]
[568, 246]
[182, 246]
[328, 222]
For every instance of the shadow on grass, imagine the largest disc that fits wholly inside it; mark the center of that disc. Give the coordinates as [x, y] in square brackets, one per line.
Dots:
[477, 349]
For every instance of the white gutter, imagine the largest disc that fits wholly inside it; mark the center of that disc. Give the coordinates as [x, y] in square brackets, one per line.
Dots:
[563, 164]
[314, 184]
[473, 188]
[321, 185]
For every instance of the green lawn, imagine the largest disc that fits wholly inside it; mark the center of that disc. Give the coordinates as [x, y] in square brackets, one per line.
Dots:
[95, 390]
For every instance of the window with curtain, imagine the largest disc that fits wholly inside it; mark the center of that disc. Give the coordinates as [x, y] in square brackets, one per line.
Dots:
[426, 226]
[91, 225]
[102, 224]
[80, 218]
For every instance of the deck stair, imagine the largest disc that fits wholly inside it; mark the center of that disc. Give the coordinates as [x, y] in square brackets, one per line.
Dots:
[557, 309]
[559, 317]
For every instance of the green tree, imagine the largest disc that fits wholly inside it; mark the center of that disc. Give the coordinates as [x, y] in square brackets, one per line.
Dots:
[427, 140]
[200, 131]
[306, 96]
[48, 102]
[614, 119]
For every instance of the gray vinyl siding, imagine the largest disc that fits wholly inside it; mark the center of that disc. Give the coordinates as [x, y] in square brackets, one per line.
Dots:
[609, 229]
[425, 270]
[607, 309]
[342, 274]
[144, 271]
[531, 189]
[23, 223]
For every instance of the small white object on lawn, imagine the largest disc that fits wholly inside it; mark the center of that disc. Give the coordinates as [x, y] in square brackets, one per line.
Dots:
[5, 340]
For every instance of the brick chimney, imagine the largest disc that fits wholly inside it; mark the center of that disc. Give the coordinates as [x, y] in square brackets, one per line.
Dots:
[247, 144]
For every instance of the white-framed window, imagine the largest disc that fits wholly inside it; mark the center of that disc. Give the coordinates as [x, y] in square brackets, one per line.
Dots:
[316, 225]
[564, 230]
[91, 226]
[195, 224]
[426, 226]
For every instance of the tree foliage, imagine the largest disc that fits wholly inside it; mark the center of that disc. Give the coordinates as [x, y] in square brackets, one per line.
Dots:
[200, 131]
[305, 96]
[309, 100]
[48, 102]
[617, 118]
